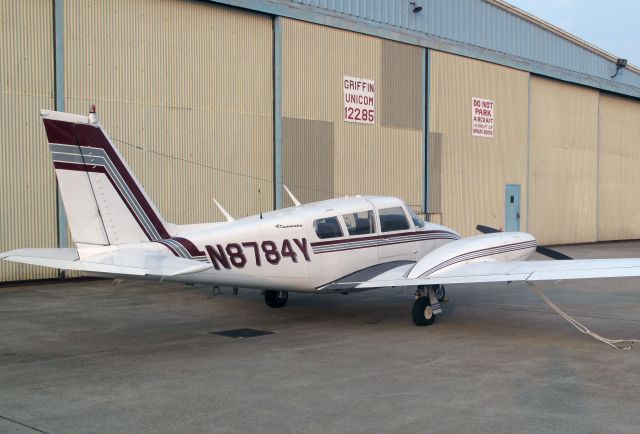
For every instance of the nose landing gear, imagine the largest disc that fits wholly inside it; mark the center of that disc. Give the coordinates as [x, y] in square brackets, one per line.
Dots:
[427, 304]
[441, 294]
[422, 312]
[276, 299]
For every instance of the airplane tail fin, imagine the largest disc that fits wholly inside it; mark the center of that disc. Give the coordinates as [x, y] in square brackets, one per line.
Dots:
[104, 202]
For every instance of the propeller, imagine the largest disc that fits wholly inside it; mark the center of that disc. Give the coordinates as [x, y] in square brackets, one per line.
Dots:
[487, 229]
[553, 254]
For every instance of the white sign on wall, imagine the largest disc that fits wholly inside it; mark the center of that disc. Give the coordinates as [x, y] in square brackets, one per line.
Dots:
[359, 100]
[482, 117]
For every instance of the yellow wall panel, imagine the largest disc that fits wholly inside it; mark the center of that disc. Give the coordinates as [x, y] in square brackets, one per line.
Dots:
[186, 90]
[385, 158]
[618, 169]
[564, 141]
[468, 174]
[27, 181]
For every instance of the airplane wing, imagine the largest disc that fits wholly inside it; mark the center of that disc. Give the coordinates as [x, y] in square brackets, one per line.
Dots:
[130, 262]
[516, 271]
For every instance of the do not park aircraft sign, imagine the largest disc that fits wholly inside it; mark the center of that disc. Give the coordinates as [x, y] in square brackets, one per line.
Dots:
[482, 117]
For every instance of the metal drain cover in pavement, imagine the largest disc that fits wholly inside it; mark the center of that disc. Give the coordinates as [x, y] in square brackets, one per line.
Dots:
[242, 333]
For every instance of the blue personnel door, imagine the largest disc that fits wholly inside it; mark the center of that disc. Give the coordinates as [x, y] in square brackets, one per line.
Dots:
[512, 208]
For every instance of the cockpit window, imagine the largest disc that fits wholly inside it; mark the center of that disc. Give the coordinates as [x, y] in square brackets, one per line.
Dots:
[327, 228]
[360, 223]
[393, 219]
[417, 221]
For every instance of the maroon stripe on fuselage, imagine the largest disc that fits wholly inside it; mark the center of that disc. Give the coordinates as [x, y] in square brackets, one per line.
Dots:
[80, 167]
[379, 237]
[377, 245]
[68, 133]
[189, 246]
[168, 247]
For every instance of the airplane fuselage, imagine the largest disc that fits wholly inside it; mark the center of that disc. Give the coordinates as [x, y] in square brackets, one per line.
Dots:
[287, 249]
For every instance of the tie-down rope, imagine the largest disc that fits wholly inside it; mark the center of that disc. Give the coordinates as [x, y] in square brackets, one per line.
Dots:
[615, 343]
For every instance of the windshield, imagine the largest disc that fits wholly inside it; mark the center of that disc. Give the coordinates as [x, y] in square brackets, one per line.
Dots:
[416, 220]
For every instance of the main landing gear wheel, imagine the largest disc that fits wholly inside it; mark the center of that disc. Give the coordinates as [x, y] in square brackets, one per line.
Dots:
[422, 313]
[276, 299]
[440, 293]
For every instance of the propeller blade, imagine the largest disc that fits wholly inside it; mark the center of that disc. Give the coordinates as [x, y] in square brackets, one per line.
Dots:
[553, 254]
[486, 229]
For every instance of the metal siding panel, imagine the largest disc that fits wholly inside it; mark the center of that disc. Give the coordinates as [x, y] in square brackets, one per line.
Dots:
[307, 149]
[28, 201]
[564, 138]
[188, 80]
[434, 172]
[277, 111]
[618, 174]
[398, 95]
[474, 170]
[368, 159]
[482, 24]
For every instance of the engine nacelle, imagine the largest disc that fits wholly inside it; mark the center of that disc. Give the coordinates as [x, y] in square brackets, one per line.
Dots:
[501, 246]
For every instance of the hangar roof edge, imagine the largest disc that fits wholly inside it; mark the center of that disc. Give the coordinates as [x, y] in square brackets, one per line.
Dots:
[524, 41]
[558, 31]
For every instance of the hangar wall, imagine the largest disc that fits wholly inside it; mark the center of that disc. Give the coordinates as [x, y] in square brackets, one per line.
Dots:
[572, 150]
[188, 90]
[467, 173]
[563, 162]
[618, 168]
[192, 84]
[323, 156]
[27, 183]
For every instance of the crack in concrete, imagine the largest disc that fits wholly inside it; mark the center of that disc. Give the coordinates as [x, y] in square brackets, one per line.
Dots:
[8, 419]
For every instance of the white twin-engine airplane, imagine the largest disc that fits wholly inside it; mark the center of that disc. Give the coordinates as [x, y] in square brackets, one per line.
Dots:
[339, 245]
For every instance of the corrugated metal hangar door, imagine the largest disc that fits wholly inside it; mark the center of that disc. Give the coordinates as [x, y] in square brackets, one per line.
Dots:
[186, 89]
[563, 159]
[27, 182]
[324, 155]
[468, 173]
[619, 169]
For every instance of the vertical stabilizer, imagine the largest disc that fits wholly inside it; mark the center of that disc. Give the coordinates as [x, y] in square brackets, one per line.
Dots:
[104, 202]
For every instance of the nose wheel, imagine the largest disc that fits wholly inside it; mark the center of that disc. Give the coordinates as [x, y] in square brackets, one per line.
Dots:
[422, 312]
[276, 299]
[427, 304]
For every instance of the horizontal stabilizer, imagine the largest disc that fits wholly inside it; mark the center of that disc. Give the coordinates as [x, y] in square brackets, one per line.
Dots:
[132, 262]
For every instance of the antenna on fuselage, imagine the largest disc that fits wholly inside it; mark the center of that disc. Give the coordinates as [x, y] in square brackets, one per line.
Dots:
[296, 202]
[224, 212]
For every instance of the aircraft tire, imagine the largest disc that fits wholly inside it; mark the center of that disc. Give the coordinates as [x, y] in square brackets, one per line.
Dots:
[440, 293]
[276, 299]
[422, 313]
